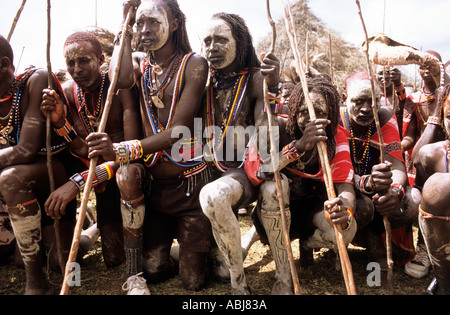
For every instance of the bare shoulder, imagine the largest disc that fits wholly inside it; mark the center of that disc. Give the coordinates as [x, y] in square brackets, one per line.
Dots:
[385, 114]
[432, 154]
[68, 87]
[197, 68]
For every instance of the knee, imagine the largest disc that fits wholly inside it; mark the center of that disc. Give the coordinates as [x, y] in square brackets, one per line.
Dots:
[129, 178]
[10, 183]
[212, 197]
[268, 194]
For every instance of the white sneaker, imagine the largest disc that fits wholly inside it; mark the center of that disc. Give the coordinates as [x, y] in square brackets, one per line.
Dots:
[418, 267]
[136, 285]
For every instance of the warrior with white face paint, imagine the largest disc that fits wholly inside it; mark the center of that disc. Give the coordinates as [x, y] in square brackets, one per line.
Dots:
[381, 186]
[219, 44]
[228, 47]
[171, 80]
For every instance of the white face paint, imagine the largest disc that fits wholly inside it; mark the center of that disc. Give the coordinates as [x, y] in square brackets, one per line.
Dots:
[219, 44]
[359, 101]
[152, 25]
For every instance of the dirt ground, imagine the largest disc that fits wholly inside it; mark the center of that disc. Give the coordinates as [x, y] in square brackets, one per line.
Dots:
[320, 279]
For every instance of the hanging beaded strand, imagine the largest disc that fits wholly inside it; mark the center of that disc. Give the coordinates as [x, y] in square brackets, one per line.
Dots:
[365, 158]
[91, 120]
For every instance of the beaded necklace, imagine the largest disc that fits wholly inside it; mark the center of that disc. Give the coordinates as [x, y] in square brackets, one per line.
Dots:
[365, 158]
[153, 88]
[428, 97]
[230, 115]
[90, 120]
[155, 123]
[10, 133]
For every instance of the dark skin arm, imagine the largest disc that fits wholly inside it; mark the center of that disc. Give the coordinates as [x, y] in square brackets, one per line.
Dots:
[33, 131]
[57, 202]
[187, 109]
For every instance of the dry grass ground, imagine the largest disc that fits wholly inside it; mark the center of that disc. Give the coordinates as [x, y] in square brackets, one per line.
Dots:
[320, 279]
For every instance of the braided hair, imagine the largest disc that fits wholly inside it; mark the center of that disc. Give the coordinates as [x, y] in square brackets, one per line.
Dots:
[180, 37]
[246, 54]
[324, 87]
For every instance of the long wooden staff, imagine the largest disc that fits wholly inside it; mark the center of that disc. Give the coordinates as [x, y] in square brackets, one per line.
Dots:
[387, 224]
[49, 139]
[93, 162]
[281, 200]
[343, 254]
[16, 19]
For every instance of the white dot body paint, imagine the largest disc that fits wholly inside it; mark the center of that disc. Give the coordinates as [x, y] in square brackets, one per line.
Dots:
[154, 13]
[219, 44]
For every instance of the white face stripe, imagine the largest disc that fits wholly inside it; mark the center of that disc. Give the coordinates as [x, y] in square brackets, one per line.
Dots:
[153, 11]
[219, 37]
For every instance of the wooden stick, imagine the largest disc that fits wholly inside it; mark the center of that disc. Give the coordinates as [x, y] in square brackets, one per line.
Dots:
[16, 19]
[93, 162]
[343, 254]
[387, 224]
[277, 175]
[49, 141]
[331, 58]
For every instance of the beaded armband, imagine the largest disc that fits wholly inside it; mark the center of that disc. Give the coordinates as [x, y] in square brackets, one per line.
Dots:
[401, 92]
[290, 153]
[67, 132]
[434, 120]
[128, 151]
[274, 102]
[349, 219]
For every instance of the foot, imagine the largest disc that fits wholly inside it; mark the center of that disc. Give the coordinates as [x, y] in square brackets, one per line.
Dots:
[419, 266]
[282, 288]
[241, 291]
[136, 285]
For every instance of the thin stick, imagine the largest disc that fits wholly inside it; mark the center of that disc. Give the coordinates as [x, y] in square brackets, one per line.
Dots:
[93, 162]
[343, 254]
[16, 19]
[49, 141]
[331, 58]
[281, 200]
[387, 224]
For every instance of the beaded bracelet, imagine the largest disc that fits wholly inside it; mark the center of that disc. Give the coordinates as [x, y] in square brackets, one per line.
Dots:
[434, 120]
[66, 131]
[361, 184]
[274, 102]
[128, 151]
[290, 152]
[399, 189]
[349, 219]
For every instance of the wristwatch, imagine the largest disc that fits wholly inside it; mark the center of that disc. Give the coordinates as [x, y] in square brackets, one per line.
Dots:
[78, 180]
